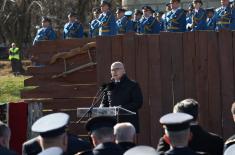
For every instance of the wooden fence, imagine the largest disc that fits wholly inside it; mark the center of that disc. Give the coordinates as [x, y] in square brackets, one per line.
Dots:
[169, 67]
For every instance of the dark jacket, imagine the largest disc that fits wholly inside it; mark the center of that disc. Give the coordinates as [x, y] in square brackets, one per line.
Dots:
[5, 151]
[75, 144]
[126, 145]
[181, 151]
[229, 142]
[126, 94]
[201, 141]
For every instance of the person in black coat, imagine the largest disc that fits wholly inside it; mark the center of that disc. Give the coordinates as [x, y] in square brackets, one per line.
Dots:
[5, 135]
[123, 92]
[103, 139]
[201, 140]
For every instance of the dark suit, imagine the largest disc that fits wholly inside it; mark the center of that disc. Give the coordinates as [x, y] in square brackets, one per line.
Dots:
[126, 145]
[201, 141]
[126, 94]
[181, 151]
[5, 151]
[75, 144]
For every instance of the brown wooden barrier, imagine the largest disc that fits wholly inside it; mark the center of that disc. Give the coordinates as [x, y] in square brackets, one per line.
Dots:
[169, 67]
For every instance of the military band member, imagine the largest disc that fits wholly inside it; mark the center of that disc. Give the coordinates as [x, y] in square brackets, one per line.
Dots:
[176, 18]
[136, 20]
[73, 29]
[148, 24]
[94, 29]
[46, 32]
[224, 16]
[107, 22]
[210, 23]
[124, 24]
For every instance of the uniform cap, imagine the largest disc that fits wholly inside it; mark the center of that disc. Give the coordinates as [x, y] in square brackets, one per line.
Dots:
[128, 13]
[176, 121]
[230, 150]
[141, 150]
[46, 19]
[136, 12]
[51, 125]
[172, 1]
[117, 65]
[105, 2]
[72, 14]
[120, 10]
[100, 122]
[211, 9]
[197, 1]
[147, 8]
[52, 151]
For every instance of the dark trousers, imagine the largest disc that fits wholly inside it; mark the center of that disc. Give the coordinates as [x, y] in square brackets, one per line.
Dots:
[16, 66]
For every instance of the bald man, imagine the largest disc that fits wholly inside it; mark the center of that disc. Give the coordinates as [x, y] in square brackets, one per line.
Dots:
[122, 91]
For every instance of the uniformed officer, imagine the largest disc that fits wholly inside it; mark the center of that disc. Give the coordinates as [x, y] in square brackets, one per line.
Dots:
[159, 15]
[164, 16]
[198, 16]
[189, 15]
[224, 16]
[46, 32]
[73, 29]
[148, 24]
[136, 20]
[176, 18]
[94, 29]
[141, 150]
[107, 22]
[101, 131]
[52, 129]
[14, 57]
[124, 24]
[177, 129]
[52, 151]
[231, 141]
[209, 21]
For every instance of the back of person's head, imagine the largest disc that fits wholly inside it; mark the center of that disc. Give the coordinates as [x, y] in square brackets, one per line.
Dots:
[178, 138]
[189, 106]
[5, 134]
[233, 110]
[102, 135]
[124, 132]
[60, 141]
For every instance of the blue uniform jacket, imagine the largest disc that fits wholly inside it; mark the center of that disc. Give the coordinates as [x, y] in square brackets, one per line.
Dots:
[210, 24]
[136, 26]
[176, 21]
[107, 24]
[124, 25]
[94, 28]
[45, 33]
[199, 20]
[149, 25]
[224, 18]
[73, 30]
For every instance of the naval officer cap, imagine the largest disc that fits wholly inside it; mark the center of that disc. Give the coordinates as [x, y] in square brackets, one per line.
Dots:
[141, 150]
[51, 125]
[230, 150]
[128, 13]
[46, 19]
[96, 123]
[52, 151]
[176, 121]
[105, 2]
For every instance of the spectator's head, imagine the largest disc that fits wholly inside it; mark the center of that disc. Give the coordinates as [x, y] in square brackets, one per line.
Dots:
[147, 11]
[117, 71]
[72, 17]
[105, 5]
[101, 129]
[141, 150]
[137, 14]
[224, 2]
[168, 7]
[13, 45]
[96, 12]
[52, 130]
[5, 135]
[175, 4]
[189, 106]
[176, 127]
[46, 22]
[233, 110]
[210, 12]
[124, 132]
[120, 13]
[197, 4]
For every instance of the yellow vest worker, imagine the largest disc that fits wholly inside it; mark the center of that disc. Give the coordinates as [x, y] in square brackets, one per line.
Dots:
[14, 57]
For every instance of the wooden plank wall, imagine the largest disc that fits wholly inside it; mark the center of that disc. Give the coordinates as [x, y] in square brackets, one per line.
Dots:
[171, 67]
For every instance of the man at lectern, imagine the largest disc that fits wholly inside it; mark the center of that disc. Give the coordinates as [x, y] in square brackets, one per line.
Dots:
[123, 92]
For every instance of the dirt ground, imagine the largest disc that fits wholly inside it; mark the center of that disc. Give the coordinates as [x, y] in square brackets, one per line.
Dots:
[5, 67]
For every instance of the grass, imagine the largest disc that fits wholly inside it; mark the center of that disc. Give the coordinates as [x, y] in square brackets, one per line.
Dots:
[10, 87]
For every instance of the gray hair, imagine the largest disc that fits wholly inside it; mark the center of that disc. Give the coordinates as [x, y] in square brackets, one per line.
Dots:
[124, 132]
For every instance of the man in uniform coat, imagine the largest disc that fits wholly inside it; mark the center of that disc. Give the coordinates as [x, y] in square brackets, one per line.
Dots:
[176, 126]
[201, 140]
[103, 139]
[124, 24]
[123, 92]
[5, 135]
